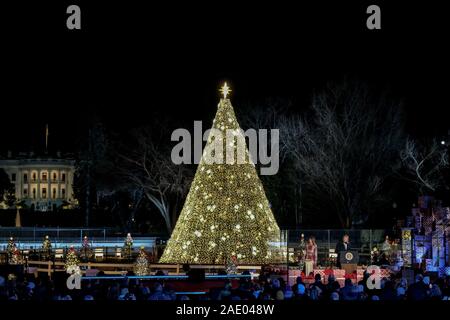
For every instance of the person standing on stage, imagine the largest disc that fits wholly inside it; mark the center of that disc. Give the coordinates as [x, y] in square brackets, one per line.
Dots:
[386, 247]
[343, 245]
[301, 253]
[311, 256]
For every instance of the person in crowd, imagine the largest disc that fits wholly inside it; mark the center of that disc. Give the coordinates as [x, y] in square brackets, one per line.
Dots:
[266, 287]
[279, 295]
[299, 289]
[348, 292]
[266, 296]
[334, 296]
[389, 292]
[318, 282]
[245, 289]
[363, 281]
[444, 284]
[315, 293]
[158, 293]
[277, 290]
[361, 294]
[401, 293]
[435, 292]
[403, 283]
[418, 290]
[298, 282]
[226, 291]
[332, 285]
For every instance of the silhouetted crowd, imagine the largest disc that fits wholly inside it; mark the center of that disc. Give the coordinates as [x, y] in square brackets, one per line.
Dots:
[266, 287]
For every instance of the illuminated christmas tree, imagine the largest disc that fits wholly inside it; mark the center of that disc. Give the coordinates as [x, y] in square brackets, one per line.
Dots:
[128, 246]
[16, 256]
[226, 212]
[141, 267]
[231, 266]
[71, 264]
[46, 247]
[11, 246]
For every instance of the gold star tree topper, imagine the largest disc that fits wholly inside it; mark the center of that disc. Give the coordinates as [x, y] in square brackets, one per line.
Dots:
[225, 90]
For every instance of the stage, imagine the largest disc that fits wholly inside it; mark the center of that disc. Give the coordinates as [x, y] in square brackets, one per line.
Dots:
[339, 275]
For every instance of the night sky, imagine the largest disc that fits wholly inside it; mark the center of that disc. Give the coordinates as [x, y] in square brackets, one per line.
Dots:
[132, 62]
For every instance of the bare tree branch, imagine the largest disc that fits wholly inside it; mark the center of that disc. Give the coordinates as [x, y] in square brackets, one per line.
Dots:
[424, 164]
[148, 167]
[346, 148]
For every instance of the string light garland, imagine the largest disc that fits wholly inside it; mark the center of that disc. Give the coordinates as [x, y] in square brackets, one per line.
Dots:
[226, 213]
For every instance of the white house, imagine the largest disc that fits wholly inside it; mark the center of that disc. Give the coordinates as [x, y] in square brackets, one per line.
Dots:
[42, 183]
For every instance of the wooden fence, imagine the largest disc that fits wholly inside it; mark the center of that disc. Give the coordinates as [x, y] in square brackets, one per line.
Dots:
[50, 267]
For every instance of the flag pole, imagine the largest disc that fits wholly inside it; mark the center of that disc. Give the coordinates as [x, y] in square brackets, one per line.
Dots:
[46, 138]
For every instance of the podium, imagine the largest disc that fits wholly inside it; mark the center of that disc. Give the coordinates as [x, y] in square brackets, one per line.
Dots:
[349, 261]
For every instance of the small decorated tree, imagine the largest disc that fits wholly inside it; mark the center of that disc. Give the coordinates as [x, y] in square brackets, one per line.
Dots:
[46, 247]
[72, 261]
[231, 267]
[141, 267]
[86, 249]
[128, 246]
[16, 256]
[10, 247]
